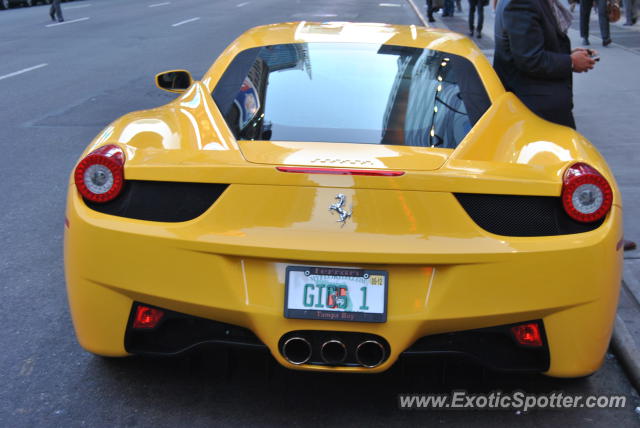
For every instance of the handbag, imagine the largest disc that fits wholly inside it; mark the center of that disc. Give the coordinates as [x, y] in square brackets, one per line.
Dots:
[613, 10]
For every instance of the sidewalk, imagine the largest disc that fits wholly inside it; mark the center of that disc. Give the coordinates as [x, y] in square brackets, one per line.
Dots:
[607, 103]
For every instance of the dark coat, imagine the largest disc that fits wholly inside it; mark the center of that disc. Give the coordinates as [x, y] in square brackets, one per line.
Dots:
[533, 58]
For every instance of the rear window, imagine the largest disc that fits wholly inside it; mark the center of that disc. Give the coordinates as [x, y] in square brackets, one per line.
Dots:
[351, 93]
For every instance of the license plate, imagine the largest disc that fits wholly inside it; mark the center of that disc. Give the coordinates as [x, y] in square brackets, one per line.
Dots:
[335, 294]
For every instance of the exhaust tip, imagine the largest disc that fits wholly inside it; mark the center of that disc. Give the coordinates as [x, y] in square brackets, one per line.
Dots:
[370, 353]
[296, 350]
[333, 352]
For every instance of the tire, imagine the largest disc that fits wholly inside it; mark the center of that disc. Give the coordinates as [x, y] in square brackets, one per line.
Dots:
[29, 3]
[6, 4]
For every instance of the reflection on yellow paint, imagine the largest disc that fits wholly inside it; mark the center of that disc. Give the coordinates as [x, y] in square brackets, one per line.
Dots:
[545, 152]
[162, 133]
[194, 124]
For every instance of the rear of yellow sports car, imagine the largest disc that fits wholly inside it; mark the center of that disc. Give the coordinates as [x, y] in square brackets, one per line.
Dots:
[498, 238]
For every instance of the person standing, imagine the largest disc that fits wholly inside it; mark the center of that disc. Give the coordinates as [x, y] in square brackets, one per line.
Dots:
[533, 56]
[55, 10]
[603, 20]
[630, 12]
[479, 5]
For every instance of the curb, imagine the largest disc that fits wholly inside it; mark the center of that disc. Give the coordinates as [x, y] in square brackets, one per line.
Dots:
[421, 17]
[623, 343]
[628, 354]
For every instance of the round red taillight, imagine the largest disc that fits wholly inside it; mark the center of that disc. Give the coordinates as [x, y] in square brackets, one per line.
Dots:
[99, 177]
[586, 194]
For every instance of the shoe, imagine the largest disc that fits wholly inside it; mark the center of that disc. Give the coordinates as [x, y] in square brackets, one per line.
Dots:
[479, 34]
[53, 18]
[60, 20]
[471, 33]
[628, 245]
[431, 19]
[585, 41]
[606, 42]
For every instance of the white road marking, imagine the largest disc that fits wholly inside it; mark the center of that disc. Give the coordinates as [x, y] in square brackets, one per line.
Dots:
[389, 5]
[24, 70]
[67, 22]
[77, 7]
[160, 4]
[177, 24]
[242, 4]
[297, 16]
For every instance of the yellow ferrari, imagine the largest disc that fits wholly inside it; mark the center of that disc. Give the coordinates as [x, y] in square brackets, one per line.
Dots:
[343, 194]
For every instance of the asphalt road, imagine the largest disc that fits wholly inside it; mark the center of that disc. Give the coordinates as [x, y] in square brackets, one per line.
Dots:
[82, 75]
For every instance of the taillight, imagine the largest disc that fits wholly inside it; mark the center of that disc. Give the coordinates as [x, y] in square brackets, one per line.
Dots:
[586, 194]
[99, 177]
[146, 317]
[527, 334]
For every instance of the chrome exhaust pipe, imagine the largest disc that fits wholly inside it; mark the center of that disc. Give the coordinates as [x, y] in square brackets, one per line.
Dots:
[370, 353]
[333, 352]
[296, 350]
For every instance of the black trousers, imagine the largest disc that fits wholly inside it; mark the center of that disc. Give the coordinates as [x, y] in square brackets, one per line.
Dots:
[631, 10]
[430, 9]
[585, 14]
[55, 10]
[473, 5]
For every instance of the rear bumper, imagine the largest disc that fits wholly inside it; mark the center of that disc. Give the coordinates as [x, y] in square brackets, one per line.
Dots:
[494, 347]
[460, 278]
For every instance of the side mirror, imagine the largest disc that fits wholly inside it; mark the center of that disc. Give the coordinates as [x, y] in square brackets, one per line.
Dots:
[174, 80]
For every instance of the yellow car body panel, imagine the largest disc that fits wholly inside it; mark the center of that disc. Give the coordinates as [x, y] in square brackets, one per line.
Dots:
[446, 273]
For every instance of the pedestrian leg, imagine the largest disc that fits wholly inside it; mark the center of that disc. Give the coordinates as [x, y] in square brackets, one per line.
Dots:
[430, 11]
[480, 17]
[448, 8]
[585, 14]
[630, 12]
[472, 16]
[603, 20]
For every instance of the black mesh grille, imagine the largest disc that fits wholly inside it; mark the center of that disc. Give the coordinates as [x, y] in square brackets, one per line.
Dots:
[515, 215]
[161, 200]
